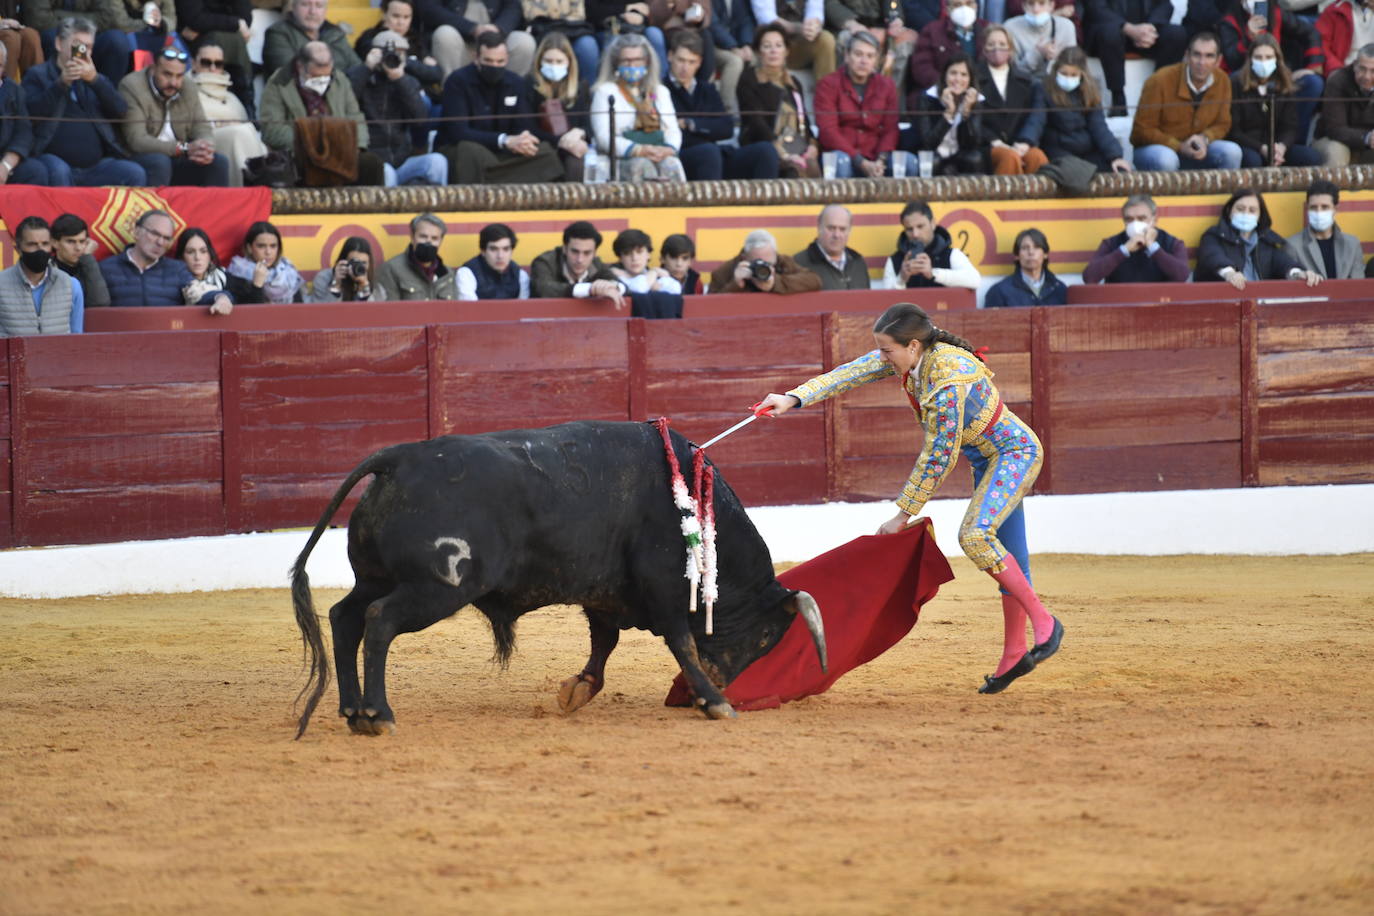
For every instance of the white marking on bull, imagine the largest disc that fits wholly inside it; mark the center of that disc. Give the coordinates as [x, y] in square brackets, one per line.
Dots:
[461, 551]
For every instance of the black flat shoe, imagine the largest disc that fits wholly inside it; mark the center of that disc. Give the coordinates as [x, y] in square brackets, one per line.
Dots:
[1050, 646]
[996, 683]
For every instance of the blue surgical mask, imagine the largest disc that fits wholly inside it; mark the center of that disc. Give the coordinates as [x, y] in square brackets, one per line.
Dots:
[554, 73]
[1244, 222]
[632, 74]
[1037, 19]
[1264, 68]
[1321, 220]
[1067, 83]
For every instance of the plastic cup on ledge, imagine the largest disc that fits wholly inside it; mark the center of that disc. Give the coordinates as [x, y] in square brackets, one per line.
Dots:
[828, 165]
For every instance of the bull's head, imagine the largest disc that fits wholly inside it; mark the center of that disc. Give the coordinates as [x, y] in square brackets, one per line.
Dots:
[731, 648]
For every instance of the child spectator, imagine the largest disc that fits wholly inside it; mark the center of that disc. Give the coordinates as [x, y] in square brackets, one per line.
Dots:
[676, 258]
[633, 248]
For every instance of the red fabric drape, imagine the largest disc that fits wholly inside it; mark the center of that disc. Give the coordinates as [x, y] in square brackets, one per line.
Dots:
[870, 592]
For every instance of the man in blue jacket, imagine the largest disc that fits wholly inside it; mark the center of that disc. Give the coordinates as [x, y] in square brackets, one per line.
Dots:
[704, 122]
[491, 137]
[732, 33]
[17, 164]
[140, 275]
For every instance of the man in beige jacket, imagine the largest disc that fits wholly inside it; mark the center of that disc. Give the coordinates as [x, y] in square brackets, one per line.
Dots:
[166, 128]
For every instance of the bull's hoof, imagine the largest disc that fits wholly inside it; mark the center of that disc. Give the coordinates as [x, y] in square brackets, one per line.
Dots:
[576, 692]
[366, 725]
[721, 710]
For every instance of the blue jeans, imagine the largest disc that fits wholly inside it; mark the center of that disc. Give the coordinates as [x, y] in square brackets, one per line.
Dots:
[587, 50]
[1221, 154]
[844, 168]
[182, 172]
[108, 171]
[1296, 155]
[432, 167]
[31, 171]
[1308, 91]
[655, 36]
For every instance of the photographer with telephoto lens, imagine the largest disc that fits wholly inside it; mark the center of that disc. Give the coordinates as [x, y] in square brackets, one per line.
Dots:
[758, 268]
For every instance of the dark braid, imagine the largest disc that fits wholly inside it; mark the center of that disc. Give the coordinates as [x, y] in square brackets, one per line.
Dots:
[905, 322]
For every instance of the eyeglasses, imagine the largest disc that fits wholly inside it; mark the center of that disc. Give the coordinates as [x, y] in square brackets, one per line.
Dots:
[173, 53]
[156, 235]
[211, 63]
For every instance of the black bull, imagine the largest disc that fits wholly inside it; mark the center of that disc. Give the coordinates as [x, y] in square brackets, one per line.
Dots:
[513, 521]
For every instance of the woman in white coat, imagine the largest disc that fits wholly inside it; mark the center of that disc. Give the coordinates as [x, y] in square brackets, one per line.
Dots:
[235, 135]
[632, 113]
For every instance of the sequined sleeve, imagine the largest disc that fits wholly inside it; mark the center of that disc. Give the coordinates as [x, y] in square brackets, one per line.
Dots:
[943, 413]
[866, 368]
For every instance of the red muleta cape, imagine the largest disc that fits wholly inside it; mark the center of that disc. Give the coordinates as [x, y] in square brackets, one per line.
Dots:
[870, 592]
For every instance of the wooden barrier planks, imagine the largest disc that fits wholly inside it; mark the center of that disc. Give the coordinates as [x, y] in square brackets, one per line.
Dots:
[6, 485]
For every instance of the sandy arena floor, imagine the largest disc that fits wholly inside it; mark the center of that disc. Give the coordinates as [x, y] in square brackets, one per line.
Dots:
[1204, 743]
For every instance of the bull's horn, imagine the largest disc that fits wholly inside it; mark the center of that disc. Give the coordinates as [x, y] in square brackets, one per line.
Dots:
[811, 612]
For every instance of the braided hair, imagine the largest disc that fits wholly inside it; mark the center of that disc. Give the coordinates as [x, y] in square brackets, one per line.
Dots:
[905, 322]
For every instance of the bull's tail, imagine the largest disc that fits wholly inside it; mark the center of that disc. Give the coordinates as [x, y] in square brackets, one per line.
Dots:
[314, 657]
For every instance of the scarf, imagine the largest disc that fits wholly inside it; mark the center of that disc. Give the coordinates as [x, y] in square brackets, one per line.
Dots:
[213, 280]
[646, 112]
[282, 278]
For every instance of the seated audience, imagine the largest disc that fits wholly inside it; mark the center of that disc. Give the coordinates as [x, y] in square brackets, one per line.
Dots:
[1013, 108]
[1242, 246]
[456, 25]
[392, 100]
[22, 48]
[772, 109]
[167, 129]
[1347, 114]
[1032, 282]
[418, 272]
[1321, 247]
[399, 16]
[1264, 112]
[1040, 37]
[948, 122]
[926, 256]
[227, 25]
[652, 291]
[35, 296]
[573, 271]
[676, 258]
[882, 19]
[1298, 47]
[758, 268]
[1344, 27]
[72, 251]
[1185, 114]
[810, 44]
[704, 122]
[493, 273]
[17, 162]
[856, 111]
[309, 87]
[304, 22]
[140, 275]
[209, 284]
[732, 32]
[271, 276]
[1140, 253]
[236, 138]
[350, 279]
[1074, 122]
[957, 31]
[829, 256]
[110, 49]
[647, 135]
[562, 99]
[492, 140]
[567, 18]
[1114, 28]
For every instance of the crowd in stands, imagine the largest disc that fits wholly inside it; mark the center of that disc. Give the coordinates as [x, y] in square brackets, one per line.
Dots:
[56, 278]
[122, 92]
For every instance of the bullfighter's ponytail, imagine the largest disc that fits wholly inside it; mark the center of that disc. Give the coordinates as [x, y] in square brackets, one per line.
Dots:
[905, 322]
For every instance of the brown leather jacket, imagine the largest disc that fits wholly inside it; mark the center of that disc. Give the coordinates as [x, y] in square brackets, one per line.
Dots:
[791, 278]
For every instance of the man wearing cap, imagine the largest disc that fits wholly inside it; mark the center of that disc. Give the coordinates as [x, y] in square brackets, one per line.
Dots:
[392, 101]
[166, 128]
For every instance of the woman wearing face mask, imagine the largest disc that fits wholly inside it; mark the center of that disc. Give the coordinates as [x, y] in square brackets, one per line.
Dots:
[1264, 111]
[1013, 107]
[1074, 122]
[562, 99]
[351, 278]
[949, 122]
[647, 136]
[266, 269]
[1040, 36]
[956, 31]
[1242, 247]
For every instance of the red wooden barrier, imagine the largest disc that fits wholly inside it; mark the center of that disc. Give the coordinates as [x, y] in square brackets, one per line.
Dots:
[1163, 293]
[6, 490]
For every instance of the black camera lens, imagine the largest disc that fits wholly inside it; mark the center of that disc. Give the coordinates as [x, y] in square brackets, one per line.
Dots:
[357, 267]
[760, 269]
[390, 59]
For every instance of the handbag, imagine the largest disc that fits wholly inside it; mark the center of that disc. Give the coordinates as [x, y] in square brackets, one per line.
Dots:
[327, 150]
[789, 130]
[275, 170]
[553, 119]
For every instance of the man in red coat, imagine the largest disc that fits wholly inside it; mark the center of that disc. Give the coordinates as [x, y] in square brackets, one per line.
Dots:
[856, 111]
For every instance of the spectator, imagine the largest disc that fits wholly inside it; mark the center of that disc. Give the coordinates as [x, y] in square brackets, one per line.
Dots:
[772, 107]
[917, 14]
[493, 140]
[1013, 108]
[166, 127]
[308, 88]
[1142, 252]
[399, 16]
[72, 251]
[35, 297]
[1243, 247]
[647, 135]
[110, 49]
[77, 144]
[562, 99]
[1298, 47]
[829, 256]
[1032, 282]
[148, 25]
[676, 257]
[732, 32]
[17, 163]
[1185, 114]
[949, 121]
[926, 256]
[1347, 113]
[493, 273]
[227, 25]
[266, 269]
[304, 22]
[704, 122]
[235, 136]
[1114, 28]
[633, 248]
[1040, 37]
[1344, 27]
[1202, 15]
[456, 25]
[140, 275]
[573, 271]
[350, 279]
[810, 45]
[418, 272]
[956, 31]
[758, 268]
[882, 19]
[567, 18]
[1264, 114]
[856, 110]
[392, 100]
[209, 284]
[22, 48]
[1074, 122]
[1321, 247]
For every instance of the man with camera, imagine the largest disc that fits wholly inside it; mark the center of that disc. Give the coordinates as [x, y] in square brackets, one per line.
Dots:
[392, 100]
[758, 268]
[926, 256]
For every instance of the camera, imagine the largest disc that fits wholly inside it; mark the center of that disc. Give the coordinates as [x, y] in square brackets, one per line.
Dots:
[357, 267]
[760, 269]
[909, 247]
[80, 50]
[390, 58]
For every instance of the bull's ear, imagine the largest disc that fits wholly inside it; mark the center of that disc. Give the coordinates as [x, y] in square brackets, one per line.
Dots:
[804, 604]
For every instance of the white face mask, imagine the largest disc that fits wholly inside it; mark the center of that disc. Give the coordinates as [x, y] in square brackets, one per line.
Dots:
[1067, 83]
[963, 16]
[1321, 220]
[1264, 68]
[1136, 228]
[316, 84]
[1038, 19]
[553, 72]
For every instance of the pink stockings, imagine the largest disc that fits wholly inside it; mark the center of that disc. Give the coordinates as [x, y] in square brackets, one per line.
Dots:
[1020, 603]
